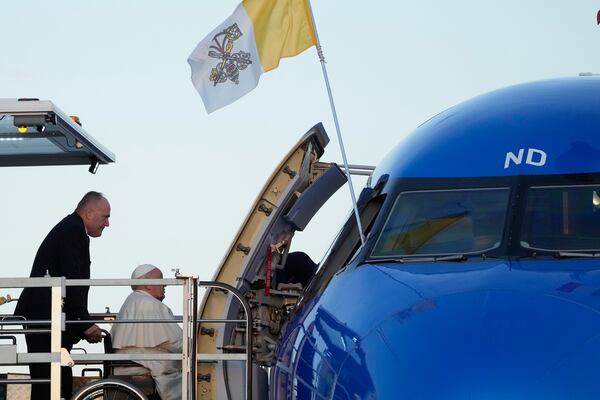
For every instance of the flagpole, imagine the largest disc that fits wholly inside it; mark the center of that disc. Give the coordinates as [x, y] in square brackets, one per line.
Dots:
[337, 126]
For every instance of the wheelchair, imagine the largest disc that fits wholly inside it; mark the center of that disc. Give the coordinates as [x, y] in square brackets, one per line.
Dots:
[118, 387]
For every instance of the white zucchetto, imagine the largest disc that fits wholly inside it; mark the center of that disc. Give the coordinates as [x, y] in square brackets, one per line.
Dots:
[142, 270]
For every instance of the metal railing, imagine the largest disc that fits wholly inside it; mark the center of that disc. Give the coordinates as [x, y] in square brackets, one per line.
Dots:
[189, 320]
[58, 286]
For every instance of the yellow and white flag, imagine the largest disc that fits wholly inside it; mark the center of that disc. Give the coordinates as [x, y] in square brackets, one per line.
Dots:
[228, 62]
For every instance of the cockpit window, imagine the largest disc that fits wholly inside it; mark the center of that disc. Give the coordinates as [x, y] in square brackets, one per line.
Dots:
[562, 218]
[441, 222]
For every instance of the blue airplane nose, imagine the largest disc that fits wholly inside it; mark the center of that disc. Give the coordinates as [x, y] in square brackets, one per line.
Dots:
[482, 345]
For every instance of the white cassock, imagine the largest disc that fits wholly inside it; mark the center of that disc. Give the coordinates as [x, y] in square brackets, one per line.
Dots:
[150, 338]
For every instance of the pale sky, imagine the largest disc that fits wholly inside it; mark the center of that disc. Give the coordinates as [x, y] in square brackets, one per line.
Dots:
[184, 180]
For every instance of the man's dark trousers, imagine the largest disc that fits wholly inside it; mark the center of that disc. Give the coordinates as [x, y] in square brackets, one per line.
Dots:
[40, 343]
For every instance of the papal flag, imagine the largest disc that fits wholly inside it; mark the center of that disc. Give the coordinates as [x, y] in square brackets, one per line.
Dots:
[228, 62]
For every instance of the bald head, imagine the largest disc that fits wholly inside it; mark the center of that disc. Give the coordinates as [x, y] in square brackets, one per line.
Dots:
[94, 210]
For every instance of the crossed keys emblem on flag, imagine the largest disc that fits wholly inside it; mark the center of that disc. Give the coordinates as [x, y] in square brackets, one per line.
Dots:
[231, 63]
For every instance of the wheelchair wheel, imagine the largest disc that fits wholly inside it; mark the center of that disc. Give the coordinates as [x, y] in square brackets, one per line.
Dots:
[109, 389]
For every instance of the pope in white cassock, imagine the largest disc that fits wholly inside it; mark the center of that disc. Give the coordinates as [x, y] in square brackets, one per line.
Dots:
[146, 303]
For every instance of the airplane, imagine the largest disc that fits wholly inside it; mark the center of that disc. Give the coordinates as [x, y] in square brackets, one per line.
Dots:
[479, 277]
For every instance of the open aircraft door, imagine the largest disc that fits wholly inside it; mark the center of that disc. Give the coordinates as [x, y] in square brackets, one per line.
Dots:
[253, 264]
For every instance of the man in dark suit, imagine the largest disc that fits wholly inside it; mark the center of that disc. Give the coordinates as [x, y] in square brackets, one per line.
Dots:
[64, 252]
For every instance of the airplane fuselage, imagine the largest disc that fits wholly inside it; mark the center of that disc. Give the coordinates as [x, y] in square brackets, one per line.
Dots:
[480, 278]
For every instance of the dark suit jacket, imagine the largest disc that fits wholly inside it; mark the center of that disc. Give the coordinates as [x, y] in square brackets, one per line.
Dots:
[64, 252]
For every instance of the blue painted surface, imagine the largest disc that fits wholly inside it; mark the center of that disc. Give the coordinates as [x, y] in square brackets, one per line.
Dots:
[495, 329]
[560, 117]
[444, 331]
